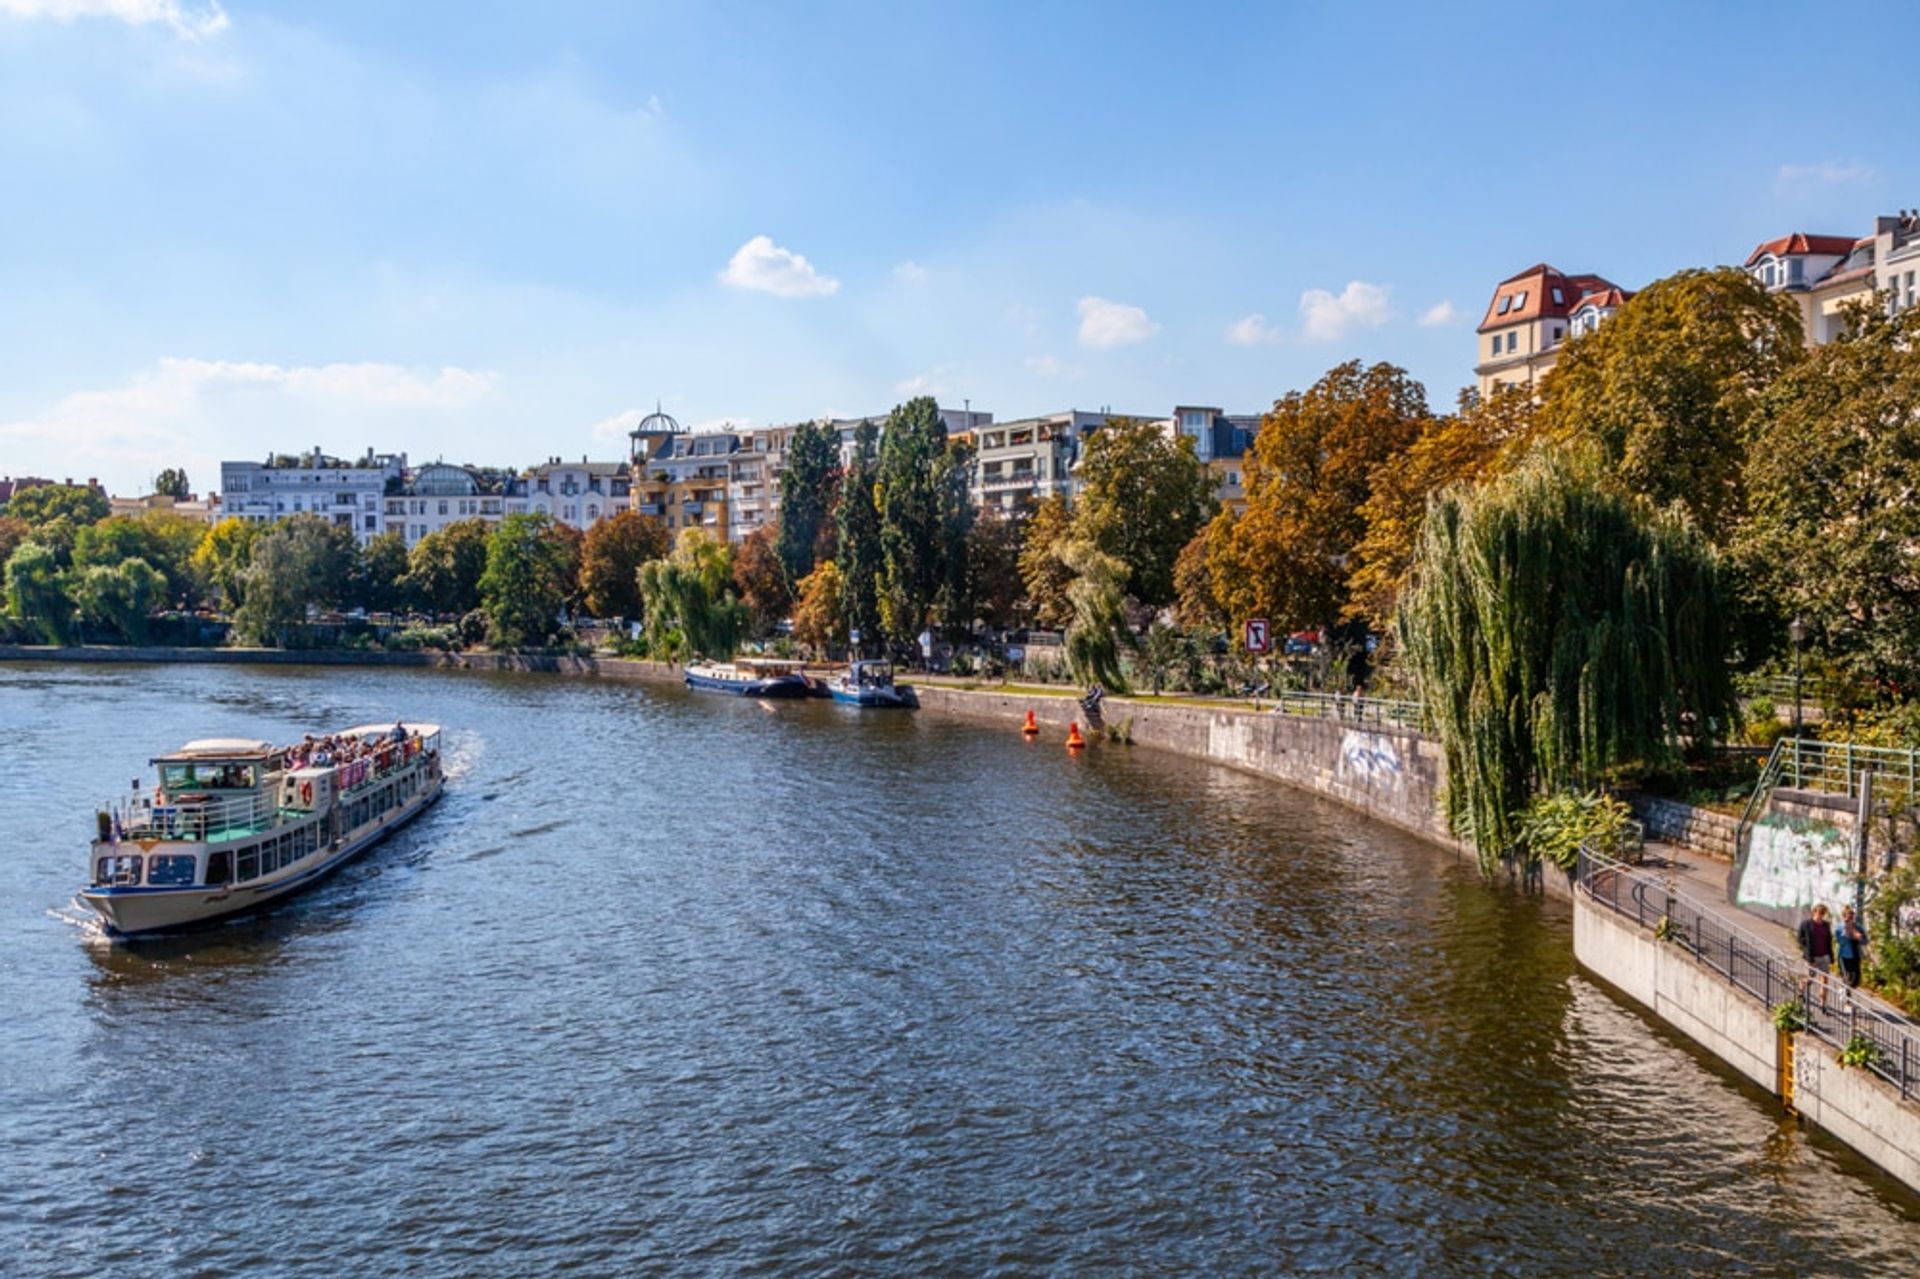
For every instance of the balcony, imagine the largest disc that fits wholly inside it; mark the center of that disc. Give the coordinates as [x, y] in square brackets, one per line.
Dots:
[1017, 479]
[655, 509]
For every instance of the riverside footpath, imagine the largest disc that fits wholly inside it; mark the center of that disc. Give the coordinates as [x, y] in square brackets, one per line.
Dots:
[1380, 764]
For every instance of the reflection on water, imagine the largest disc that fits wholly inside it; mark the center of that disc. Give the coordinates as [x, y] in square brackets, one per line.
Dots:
[670, 984]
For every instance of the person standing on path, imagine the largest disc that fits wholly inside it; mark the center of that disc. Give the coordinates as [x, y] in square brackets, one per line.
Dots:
[1850, 945]
[1816, 946]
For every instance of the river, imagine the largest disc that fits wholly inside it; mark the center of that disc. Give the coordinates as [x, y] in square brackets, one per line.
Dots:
[674, 984]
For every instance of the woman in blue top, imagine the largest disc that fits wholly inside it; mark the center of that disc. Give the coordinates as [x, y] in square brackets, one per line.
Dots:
[1850, 945]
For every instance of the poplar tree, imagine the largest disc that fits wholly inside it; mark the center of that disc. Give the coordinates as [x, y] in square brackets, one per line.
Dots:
[813, 455]
[908, 497]
[859, 530]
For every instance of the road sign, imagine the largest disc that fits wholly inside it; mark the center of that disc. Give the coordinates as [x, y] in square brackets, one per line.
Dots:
[1259, 635]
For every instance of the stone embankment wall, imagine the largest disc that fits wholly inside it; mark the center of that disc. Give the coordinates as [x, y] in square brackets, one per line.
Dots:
[1672, 822]
[1856, 1106]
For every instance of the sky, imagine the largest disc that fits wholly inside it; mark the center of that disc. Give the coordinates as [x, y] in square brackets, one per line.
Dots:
[495, 233]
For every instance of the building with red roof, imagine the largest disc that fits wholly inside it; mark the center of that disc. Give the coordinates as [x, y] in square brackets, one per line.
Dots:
[1829, 276]
[1532, 315]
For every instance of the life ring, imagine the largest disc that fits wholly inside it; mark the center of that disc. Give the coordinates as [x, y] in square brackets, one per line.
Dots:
[306, 793]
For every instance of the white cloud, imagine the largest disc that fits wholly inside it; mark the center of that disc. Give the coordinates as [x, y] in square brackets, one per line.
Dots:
[1827, 173]
[195, 22]
[932, 382]
[1043, 365]
[1252, 330]
[1441, 315]
[910, 273]
[1328, 317]
[619, 425]
[1105, 324]
[762, 265]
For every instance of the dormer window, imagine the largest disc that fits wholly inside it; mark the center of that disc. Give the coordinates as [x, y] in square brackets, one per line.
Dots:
[1505, 302]
[1519, 299]
[1766, 274]
[1558, 298]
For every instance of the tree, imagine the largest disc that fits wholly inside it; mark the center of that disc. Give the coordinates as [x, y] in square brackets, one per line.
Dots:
[760, 580]
[1099, 622]
[1559, 628]
[1312, 467]
[167, 542]
[909, 498]
[1485, 437]
[819, 621]
[611, 558]
[223, 555]
[445, 566]
[1833, 532]
[13, 531]
[1043, 573]
[1667, 388]
[80, 505]
[690, 604]
[953, 485]
[37, 591]
[120, 597]
[172, 483]
[813, 455]
[376, 583]
[859, 536]
[1196, 604]
[302, 561]
[528, 579]
[994, 590]
[1146, 494]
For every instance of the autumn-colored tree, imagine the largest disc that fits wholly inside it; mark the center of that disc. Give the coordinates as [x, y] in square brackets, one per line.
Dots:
[611, 558]
[1145, 494]
[222, 557]
[1667, 388]
[761, 580]
[819, 615]
[1042, 571]
[13, 531]
[1312, 467]
[1484, 438]
[1196, 604]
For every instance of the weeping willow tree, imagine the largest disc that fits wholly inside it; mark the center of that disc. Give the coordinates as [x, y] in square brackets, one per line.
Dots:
[1559, 628]
[1099, 614]
[689, 599]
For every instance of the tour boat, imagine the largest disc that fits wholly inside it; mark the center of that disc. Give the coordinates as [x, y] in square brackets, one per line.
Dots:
[750, 677]
[867, 684]
[235, 825]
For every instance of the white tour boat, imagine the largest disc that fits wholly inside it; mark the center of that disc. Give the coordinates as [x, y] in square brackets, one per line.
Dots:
[235, 825]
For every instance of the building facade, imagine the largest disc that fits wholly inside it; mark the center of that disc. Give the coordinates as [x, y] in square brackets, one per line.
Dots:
[681, 478]
[442, 493]
[577, 494]
[350, 494]
[207, 510]
[1531, 316]
[1828, 276]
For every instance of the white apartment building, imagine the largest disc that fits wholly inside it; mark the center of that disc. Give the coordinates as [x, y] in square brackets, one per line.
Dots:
[348, 493]
[1024, 460]
[441, 493]
[1829, 275]
[754, 481]
[579, 494]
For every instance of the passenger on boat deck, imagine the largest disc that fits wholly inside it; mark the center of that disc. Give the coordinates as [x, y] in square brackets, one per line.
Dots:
[399, 733]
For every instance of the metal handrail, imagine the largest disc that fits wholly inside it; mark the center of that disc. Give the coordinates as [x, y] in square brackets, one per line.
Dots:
[1383, 711]
[1835, 768]
[143, 819]
[1833, 1012]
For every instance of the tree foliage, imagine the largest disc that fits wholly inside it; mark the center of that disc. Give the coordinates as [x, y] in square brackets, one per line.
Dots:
[165, 541]
[444, 568]
[859, 536]
[992, 560]
[813, 456]
[611, 558]
[120, 597]
[12, 532]
[1667, 388]
[378, 580]
[37, 591]
[172, 483]
[529, 577]
[819, 618]
[1145, 495]
[1312, 468]
[690, 603]
[1099, 624]
[300, 561]
[760, 580]
[42, 504]
[908, 494]
[1043, 573]
[222, 558]
[1558, 628]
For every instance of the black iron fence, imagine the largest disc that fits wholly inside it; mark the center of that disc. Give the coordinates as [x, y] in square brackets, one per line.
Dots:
[1883, 1039]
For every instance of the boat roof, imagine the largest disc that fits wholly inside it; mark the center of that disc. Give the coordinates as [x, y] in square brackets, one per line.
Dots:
[234, 748]
[376, 730]
[770, 663]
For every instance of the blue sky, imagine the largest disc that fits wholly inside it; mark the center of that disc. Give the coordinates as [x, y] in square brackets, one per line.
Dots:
[493, 232]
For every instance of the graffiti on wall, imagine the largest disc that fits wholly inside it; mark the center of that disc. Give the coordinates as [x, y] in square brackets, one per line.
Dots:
[1793, 864]
[1369, 758]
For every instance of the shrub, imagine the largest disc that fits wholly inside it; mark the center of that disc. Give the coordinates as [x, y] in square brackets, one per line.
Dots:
[1553, 827]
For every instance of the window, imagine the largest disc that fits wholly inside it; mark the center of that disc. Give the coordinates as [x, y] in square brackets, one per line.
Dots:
[369, 523]
[1505, 302]
[249, 866]
[443, 506]
[1513, 341]
[1519, 299]
[1559, 299]
[1559, 331]
[122, 871]
[1794, 268]
[220, 867]
[1766, 275]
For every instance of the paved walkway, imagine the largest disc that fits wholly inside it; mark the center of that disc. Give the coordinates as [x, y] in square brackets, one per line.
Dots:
[1703, 877]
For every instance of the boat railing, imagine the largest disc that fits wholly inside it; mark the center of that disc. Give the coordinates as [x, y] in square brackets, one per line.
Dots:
[196, 817]
[386, 760]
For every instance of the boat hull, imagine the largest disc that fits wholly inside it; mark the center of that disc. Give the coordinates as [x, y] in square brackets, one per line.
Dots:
[130, 913]
[869, 698]
[783, 686]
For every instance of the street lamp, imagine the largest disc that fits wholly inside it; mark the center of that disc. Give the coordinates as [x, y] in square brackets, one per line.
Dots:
[1797, 632]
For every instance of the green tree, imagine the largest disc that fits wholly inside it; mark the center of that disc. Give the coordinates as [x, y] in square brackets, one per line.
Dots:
[909, 498]
[44, 503]
[1558, 629]
[301, 561]
[12, 532]
[953, 481]
[859, 537]
[529, 577]
[690, 603]
[1145, 495]
[377, 581]
[167, 542]
[819, 619]
[445, 566]
[760, 580]
[37, 591]
[1312, 467]
[222, 558]
[994, 591]
[1099, 624]
[611, 558]
[120, 597]
[813, 455]
[1043, 574]
[172, 483]
[1196, 602]
[1667, 388]
[1833, 532]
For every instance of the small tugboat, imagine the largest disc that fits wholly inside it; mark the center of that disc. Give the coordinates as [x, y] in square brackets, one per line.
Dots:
[867, 684]
[750, 677]
[236, 825]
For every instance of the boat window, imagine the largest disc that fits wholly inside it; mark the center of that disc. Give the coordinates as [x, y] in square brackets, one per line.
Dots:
[170, 869]
[249, 865]
[122, 871]
[220, 867]
[208, 776]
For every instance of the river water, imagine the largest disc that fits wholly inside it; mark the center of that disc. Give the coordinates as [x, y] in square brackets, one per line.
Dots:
[674, 984]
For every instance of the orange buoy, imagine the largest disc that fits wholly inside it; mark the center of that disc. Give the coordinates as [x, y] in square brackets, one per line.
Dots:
[1074, 740]
[1030, 728]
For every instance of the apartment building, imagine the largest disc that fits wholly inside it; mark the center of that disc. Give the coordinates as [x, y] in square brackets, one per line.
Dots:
[207, 510]
[348, 493]
[579, 494]
[1027, 459]
[1531, 317]
[753, 486]
[1829, 275]
[1220, 441]
[441, 493]
[683, 479]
